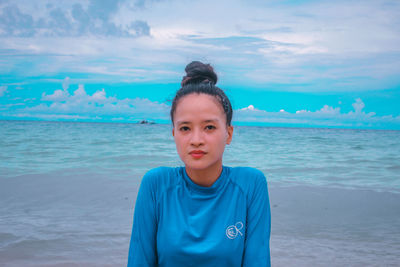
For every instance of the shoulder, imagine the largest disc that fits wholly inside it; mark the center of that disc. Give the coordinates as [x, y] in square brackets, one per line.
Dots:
[157, 172]
[246, 175]
[161, 177]
[247, 178]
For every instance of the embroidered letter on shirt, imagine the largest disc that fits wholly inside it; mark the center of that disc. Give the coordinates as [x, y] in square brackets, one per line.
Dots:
[233, 231]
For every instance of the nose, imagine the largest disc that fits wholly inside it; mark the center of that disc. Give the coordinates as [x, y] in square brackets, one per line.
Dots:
[197, 138]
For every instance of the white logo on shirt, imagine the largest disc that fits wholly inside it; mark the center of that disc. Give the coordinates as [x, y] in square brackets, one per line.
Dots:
[232, 231]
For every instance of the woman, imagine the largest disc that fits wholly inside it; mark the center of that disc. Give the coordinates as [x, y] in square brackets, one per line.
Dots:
[203, 214]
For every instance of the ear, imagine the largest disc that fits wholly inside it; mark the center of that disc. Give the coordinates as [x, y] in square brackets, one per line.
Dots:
[230, 133]
[173, 131]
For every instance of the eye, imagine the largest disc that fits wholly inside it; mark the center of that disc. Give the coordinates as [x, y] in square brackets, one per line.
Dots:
[184, 129]
[210, 127]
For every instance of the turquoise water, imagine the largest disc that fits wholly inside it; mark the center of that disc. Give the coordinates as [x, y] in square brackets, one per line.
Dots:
[342, 158]
[67, 191]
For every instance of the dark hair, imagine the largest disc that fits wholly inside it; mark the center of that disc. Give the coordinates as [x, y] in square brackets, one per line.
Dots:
[200, 78]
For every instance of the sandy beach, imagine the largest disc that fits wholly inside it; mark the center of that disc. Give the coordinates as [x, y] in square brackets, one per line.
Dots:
[79, 220]
[317, 226]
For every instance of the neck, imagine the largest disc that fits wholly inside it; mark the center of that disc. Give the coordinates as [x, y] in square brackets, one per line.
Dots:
[206, 177]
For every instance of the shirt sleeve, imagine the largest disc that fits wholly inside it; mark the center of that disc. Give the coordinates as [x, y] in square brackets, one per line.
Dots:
[143, 248]
[257, 250]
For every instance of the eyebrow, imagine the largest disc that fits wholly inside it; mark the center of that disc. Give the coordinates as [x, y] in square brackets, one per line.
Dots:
[214, 121]
[188, 122]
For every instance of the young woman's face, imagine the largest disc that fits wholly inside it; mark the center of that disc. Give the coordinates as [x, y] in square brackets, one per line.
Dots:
[200, 131]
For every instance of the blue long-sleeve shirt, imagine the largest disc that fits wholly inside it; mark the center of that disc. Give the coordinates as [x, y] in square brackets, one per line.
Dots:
[179, 223]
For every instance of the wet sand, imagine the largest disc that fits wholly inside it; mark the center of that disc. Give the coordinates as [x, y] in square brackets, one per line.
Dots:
[317, 226]
[76, 219]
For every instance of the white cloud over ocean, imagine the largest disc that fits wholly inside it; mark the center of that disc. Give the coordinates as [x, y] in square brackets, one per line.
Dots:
[327, 116]
[81, 106]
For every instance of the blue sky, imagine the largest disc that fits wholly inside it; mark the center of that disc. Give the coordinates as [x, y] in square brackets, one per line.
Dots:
[283, 63]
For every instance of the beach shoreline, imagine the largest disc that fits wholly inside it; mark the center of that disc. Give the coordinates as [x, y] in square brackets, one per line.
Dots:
[85, 221]
[325, 226]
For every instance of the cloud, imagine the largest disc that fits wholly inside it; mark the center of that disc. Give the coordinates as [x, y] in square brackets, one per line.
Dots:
[65, 84]
[15, 23]
[57, 96]
[327, 116]
[97, 106]
[99, 95]
[77, 104]
[358, 106]
[53, 116]
[250, 107]
[311, 46]
[75, 20]
[102, 9]
[3, 90]
[327, 110]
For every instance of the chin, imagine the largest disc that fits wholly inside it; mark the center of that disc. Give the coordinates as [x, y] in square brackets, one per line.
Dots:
[199, 165]
[196, 166]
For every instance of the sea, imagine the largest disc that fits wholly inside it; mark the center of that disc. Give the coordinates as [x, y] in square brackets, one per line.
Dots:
[68, 190]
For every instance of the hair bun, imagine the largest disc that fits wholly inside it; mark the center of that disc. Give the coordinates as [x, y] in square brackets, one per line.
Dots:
[198, 72]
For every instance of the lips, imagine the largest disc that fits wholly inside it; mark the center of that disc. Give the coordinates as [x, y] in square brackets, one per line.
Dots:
[197, 153]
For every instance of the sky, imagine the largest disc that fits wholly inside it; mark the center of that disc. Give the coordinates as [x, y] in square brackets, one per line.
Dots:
[332, 64]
